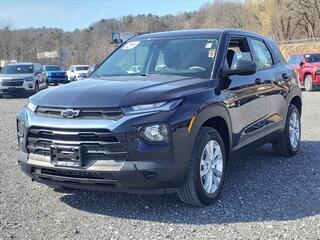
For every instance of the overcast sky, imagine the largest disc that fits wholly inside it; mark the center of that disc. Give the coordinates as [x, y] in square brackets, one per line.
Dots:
[72, 14]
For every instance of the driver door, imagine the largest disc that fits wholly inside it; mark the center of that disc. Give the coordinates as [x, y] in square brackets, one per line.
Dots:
[246, 96]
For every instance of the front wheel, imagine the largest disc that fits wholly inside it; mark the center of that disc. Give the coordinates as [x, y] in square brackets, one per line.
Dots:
[288, 145]
[36, 87]
[206, 170]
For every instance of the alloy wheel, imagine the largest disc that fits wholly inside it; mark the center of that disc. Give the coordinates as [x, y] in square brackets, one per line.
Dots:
[211, 167]
[294, 130]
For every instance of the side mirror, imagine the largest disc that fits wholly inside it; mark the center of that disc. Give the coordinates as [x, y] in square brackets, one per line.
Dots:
[301, 64]
[243, 67]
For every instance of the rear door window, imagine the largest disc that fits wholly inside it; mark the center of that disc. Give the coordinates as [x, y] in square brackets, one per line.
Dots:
[263, 57]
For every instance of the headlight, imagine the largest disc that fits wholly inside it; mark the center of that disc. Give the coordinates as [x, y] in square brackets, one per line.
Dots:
[28, 79]
[32, 107]
[160, 106]
[20, 132]
[147, 106]
[20, 128]
[157, 133]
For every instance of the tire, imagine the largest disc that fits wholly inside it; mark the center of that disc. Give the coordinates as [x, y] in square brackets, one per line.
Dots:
[284, 146]
[193, 191]
[308, 83]
[36, 87]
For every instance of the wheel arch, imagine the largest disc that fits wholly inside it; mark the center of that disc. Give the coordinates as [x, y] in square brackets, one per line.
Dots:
[296, 101]
[217, 117]
[220, 124]
[306, 73]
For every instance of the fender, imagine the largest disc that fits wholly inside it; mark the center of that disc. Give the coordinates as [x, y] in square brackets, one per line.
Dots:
[206, 113]
[294, 92]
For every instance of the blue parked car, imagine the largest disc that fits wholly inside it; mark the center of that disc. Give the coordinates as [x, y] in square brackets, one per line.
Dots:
[55, 74]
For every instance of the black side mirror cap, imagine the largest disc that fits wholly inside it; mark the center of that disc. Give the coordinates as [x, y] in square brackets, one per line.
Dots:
[243, 67]
[301, 64]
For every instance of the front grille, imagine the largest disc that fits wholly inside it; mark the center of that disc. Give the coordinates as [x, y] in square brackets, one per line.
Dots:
[86, 113]
[58, 76]
[95, 144]
[12, 83]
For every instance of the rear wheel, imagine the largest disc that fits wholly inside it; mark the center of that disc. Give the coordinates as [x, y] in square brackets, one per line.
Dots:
[206, 170]
[308, 83]
[288, 145]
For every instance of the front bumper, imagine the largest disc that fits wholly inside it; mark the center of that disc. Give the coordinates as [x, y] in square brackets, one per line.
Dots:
[147, 168]
[54, 79]
[317, 80]
[26, 88]
[136, 177]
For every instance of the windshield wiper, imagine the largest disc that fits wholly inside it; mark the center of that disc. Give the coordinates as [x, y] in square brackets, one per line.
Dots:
[145, 74]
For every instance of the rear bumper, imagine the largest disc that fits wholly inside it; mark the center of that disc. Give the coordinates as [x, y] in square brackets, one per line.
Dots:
[153, 177]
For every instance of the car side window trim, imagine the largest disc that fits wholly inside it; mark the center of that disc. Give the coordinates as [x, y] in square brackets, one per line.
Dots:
[230, 37]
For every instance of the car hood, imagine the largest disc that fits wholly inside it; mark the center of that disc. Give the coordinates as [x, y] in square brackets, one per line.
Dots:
[56, 72]
[120, 91]
[15, 76]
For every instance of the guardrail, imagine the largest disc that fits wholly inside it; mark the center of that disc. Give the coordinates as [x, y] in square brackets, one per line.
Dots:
[299, 41]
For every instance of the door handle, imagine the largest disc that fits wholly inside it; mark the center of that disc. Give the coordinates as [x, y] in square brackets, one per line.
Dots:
[285, 75]
[259, 81]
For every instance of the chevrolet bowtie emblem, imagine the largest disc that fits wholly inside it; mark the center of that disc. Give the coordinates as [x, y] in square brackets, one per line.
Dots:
[70, 113]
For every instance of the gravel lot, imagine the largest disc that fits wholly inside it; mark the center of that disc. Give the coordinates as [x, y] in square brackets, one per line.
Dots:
[264, 197]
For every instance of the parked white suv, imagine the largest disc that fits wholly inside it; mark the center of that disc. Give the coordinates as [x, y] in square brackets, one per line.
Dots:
[77, 72]
[22, 78]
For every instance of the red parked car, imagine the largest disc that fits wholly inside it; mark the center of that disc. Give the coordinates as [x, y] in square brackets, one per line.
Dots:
[308, 69]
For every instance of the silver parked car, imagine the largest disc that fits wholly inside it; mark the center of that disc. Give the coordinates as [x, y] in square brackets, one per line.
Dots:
[22, 78]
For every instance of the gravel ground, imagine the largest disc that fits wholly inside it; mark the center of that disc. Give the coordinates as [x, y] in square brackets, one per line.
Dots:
[264, 197]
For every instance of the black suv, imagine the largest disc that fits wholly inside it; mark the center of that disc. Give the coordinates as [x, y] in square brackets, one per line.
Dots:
[163, 113]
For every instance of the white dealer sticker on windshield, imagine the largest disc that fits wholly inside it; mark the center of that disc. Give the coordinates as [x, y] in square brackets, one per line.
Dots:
[130, 45]
[208, 45]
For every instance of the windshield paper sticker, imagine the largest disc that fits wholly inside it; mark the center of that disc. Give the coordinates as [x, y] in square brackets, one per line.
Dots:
[130, 45]
[208, 45]
[211, 53]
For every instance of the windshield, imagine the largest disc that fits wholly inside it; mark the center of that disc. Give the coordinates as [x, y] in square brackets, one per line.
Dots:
[311, 58]
[187, 57]
[18, 69]
[52, 68]
[84, 68]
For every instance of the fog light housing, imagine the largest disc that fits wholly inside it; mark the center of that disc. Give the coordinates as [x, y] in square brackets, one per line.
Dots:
[157, 133]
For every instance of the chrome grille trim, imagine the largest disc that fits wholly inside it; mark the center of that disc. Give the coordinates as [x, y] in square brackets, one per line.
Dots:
[96, 144]
[85, 113]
